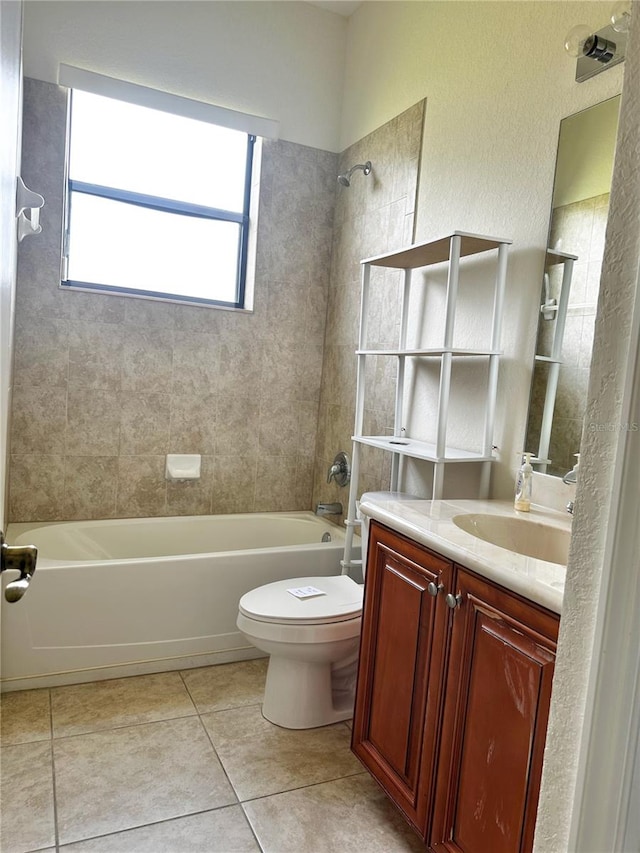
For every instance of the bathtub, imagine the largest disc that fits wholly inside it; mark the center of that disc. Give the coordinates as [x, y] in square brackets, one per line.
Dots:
[130, 596]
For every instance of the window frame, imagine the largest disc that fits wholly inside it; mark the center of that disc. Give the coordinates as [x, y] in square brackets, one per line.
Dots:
[164, 205]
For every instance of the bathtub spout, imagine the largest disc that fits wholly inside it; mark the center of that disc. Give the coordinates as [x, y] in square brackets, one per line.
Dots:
[329, 509]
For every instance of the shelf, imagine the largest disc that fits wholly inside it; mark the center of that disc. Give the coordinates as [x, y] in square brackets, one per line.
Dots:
[420, 449]
[554, 257]
[436, 251]
[429, 353]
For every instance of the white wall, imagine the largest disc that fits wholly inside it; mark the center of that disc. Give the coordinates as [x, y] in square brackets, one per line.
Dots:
[497, 83]
[281, 60]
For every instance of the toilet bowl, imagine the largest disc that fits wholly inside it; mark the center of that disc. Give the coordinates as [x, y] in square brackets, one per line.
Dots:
[313, 647]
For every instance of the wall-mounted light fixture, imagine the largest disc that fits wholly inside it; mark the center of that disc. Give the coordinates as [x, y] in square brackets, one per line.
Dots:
[602, 49]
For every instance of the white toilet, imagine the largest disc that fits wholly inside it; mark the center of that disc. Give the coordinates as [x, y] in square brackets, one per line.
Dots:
[313, 643]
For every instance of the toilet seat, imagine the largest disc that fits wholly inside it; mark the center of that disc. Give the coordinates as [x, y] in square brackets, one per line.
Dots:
[341, 602]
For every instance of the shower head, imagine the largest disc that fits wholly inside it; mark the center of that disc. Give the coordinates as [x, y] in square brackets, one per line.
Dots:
[345, 178]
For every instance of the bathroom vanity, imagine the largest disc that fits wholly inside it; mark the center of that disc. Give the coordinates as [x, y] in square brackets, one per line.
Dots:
[456, 665]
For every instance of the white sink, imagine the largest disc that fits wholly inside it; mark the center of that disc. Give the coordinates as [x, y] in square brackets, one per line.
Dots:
[530, 538]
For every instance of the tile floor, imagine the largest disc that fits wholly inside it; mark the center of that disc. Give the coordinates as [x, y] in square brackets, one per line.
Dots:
[179, 762]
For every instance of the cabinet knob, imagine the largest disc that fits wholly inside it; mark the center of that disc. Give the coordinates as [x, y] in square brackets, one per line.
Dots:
[453, 601]
[433, 589]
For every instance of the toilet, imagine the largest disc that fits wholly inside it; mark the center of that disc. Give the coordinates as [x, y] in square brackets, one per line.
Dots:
[313, 646]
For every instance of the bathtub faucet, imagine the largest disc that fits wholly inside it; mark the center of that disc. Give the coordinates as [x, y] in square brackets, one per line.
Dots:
[329, 509]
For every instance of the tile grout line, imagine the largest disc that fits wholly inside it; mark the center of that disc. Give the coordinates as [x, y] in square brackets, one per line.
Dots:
[118, 728]
[145, 825]
[224, 770]
[56, 830]
[302, 787]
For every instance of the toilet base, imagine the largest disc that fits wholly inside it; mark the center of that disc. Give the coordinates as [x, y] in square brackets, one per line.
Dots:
[298, 695]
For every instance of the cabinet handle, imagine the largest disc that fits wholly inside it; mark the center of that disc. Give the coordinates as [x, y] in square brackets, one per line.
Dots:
[453, 601]
[433, 589]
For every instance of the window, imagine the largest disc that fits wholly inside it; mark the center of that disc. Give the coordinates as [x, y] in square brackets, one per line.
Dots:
[157, 203]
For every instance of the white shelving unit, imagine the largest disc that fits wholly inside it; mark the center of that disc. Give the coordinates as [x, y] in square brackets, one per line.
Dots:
[450, 248]
[554, 258]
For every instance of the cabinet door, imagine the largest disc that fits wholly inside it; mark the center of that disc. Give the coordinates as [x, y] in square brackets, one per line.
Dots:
[494, 721]
[401, 668]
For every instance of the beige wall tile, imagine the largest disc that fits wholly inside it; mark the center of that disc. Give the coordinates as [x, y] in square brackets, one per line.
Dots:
[278, 428]
[197, 318]
[146, 359]
[193, 423]
[93, 422]
[95, 355]
[144, 423]
[149, 313]
[275, 485]
[237, 426]
[241, 359]
[38, 419]
[234, 484]
[370, 218]
[36, 488]
[93, 307]
[90, 487]
[142, 488]
[41, 352]
[196, 358]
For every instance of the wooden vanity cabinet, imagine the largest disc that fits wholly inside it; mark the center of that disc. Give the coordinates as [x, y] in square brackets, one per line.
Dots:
[402, 650]
[452, 701]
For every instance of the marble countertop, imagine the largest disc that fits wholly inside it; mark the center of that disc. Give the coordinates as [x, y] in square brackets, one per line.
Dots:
[430, 523]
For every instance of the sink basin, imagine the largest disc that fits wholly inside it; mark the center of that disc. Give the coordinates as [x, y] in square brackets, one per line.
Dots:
[530, 538]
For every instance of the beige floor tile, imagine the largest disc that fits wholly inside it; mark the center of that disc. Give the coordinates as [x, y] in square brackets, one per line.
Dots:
[115, 780]
[262, 759]
[26, 716]
[230, 685]
[335, 817]
[82, 708]
[222, 831]
[26, 798]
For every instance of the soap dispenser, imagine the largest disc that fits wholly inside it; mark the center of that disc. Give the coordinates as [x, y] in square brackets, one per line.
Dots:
[524, 481]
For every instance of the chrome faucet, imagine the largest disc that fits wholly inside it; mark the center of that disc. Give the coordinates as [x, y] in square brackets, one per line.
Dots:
[329, 509]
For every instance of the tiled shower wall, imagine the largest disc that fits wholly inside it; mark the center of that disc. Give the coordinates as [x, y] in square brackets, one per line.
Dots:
[105, 386]
[374, 215]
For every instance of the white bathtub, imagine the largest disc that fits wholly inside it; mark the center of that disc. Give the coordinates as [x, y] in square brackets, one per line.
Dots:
[128, 596]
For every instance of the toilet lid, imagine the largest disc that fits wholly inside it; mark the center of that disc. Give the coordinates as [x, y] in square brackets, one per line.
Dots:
[342, 600]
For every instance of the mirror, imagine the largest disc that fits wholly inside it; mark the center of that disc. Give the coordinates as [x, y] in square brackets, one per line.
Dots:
[570, 286]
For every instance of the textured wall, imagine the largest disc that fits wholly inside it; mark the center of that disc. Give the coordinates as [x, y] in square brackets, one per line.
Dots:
[594, 497]
[373, 215]
[105, 386]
